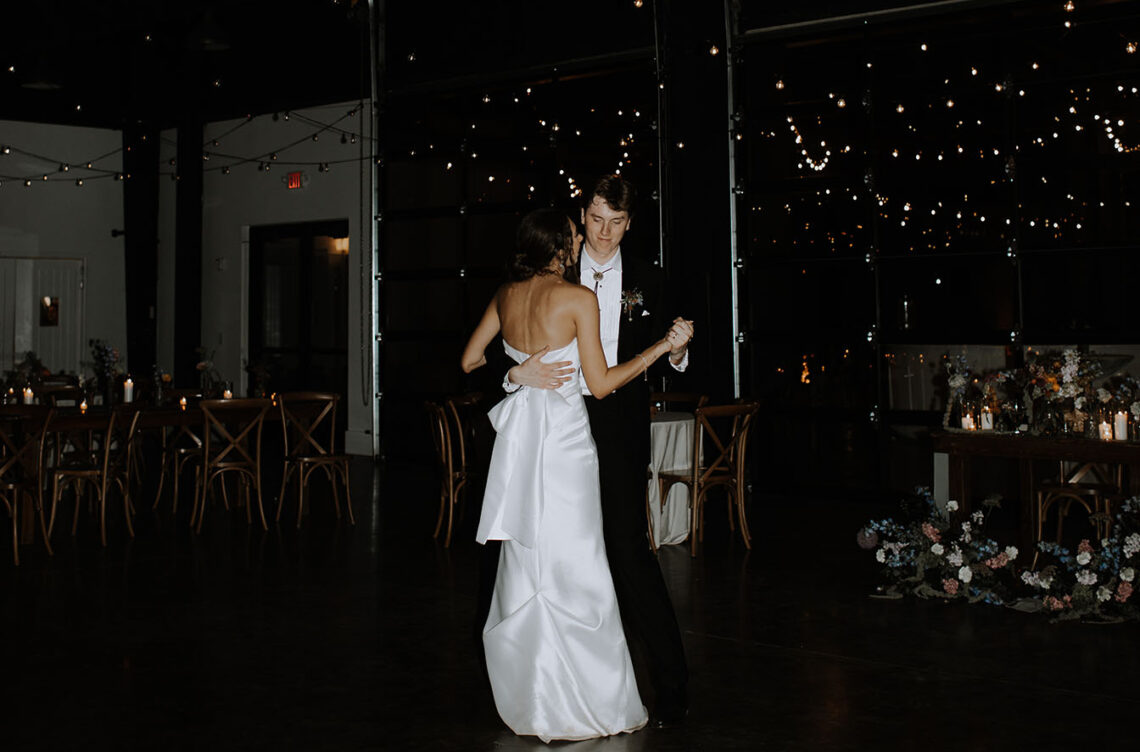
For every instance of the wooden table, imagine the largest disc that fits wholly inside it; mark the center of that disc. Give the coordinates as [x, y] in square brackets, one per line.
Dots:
[963, 446]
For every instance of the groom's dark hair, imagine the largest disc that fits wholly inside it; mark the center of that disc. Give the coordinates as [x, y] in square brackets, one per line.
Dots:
[618, 193]
[542, 235]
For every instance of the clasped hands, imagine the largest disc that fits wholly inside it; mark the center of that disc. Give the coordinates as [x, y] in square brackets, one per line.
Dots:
[533, 372]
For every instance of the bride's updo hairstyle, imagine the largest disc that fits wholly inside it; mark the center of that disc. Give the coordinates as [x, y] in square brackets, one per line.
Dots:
[542, 236]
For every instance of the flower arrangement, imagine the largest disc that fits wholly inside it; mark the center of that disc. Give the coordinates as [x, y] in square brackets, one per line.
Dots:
[934, 555]
[162, 382]
[959, 384]
[1094, 581]
[29, 371]
[104, 362]
[209, 380]
[1056, 392]
[1059, 391]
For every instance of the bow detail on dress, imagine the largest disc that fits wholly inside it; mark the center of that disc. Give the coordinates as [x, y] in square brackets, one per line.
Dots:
[512, 503]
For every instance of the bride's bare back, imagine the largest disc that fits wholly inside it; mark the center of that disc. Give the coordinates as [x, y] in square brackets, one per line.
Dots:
[538, 312]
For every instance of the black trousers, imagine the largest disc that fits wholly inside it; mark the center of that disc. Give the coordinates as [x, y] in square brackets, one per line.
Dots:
[620, 425]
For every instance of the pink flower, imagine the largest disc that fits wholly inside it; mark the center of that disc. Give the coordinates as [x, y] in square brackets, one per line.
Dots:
[1123, 591]
[1084, 547]
[997, 562]
[1057, 604]
[950, 586]
[930, 532]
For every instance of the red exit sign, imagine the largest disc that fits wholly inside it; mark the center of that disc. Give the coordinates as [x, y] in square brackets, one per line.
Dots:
[295, 180]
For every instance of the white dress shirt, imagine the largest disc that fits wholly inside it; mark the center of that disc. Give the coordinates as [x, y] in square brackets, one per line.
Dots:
[608, 289]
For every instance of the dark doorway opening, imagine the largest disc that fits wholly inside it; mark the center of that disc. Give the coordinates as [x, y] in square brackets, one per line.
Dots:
[298, 313]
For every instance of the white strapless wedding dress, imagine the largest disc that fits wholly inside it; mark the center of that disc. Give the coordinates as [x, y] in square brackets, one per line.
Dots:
[556, 652]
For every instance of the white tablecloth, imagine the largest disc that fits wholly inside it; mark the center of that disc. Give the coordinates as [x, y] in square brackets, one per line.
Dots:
[671, 446]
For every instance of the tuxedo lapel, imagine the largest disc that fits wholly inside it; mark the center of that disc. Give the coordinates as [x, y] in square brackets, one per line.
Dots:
[637, 318]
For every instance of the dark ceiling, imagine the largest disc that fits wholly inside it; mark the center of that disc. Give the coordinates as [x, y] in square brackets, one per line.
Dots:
[113, 62]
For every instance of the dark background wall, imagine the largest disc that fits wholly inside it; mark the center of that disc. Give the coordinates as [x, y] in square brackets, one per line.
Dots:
[889, 196]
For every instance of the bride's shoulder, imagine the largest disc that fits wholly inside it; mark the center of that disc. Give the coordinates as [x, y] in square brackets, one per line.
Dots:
[572, 292]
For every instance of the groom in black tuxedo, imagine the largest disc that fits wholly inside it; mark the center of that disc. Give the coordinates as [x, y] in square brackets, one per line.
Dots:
[631, 298]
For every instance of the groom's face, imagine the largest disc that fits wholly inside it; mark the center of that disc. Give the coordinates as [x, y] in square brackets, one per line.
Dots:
[604, 228]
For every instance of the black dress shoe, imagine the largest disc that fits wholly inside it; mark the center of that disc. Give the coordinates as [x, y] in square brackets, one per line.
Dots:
[668, 718]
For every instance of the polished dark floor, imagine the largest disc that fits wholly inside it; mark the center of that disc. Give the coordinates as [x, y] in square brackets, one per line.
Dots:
[337, 637]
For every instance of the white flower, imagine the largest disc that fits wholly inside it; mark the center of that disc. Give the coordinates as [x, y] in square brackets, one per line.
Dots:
[1083, 558]
[1085, 577]
[978, 517]
[966, 527]
[965, 574]
[1132, 544]
[937, 549]
[1011, 552]
[957, 381]
[1079, 403]
[1127, 574]
[1045, 582]
[881, 556]
[1103, 394]
[1103, 593]
[955, 557]
[951, 506]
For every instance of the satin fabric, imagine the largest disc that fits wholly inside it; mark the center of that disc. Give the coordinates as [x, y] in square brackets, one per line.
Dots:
[556, 651]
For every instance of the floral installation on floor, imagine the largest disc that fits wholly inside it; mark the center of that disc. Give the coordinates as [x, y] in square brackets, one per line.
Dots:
[934, 553]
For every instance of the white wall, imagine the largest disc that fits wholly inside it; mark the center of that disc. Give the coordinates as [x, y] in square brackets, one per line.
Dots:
[57, 219]
[246, 197]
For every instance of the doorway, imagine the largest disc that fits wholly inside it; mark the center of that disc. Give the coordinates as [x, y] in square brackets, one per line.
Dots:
[298, 308]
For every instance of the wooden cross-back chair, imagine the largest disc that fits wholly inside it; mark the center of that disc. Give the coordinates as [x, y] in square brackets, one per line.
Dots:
[1095, 487]
[100, 460]
[308, 422]
[22, 431]
[181, 445]
[450, 436]
[231, 446]
[722, 431]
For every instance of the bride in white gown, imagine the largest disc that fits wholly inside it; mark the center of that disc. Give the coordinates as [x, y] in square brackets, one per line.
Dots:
[556, 652]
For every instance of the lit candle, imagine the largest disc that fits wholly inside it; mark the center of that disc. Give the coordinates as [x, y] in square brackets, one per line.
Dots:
[29, 397]
[83, 407]
[987, 419]
[1120, 426]
[128, 390]
[182, 402]
[227, 394]
[1105, 430]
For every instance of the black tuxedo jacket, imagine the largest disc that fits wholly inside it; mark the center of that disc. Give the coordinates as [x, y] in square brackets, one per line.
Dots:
[620, 421]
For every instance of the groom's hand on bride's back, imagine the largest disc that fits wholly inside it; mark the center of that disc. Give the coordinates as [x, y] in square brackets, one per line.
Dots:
[533, 372]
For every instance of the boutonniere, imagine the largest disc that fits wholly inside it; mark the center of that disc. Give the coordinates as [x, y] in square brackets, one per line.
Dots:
[630, 300]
